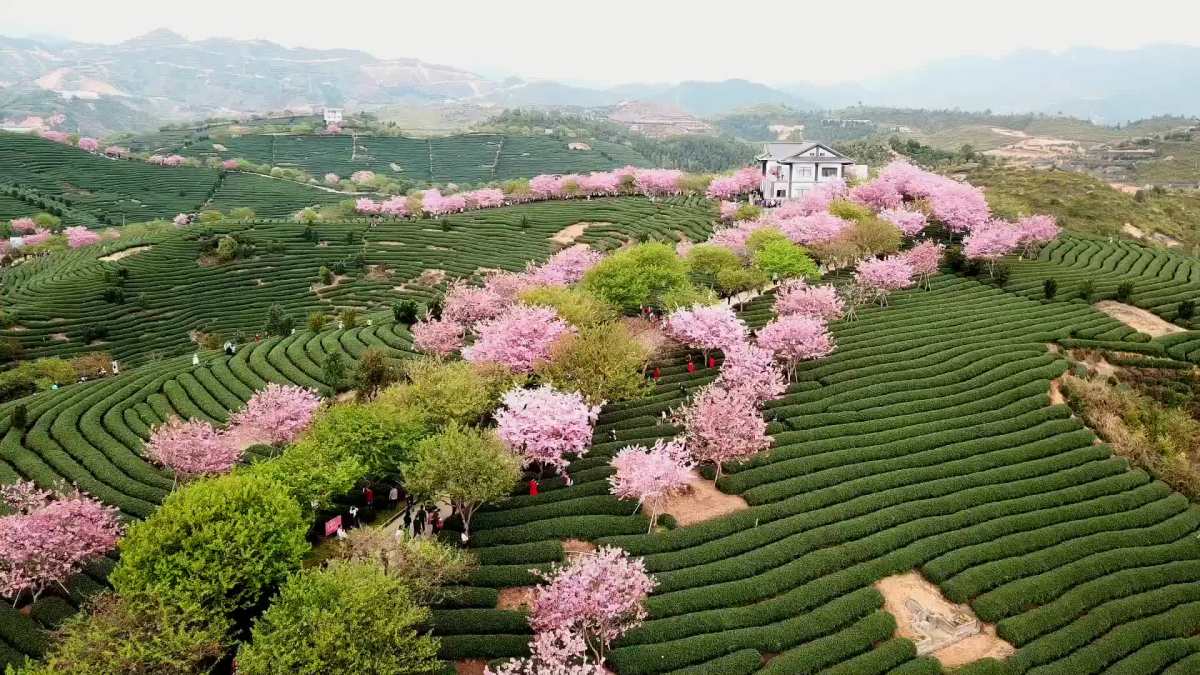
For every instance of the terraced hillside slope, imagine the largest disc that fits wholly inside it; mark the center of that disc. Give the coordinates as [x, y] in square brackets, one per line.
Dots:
[95, 190]
[169, 291]
[465, 158]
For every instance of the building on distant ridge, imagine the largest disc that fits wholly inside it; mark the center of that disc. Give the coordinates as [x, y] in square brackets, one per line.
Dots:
[332, 115]
[791, 169]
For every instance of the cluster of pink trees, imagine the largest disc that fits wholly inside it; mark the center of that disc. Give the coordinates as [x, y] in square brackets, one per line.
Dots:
[998, 238]
[727, 210]
[651, 475]
[706, 327]
[167, 160]
[958, 206]
[47, 538]
[744, 181]
[580, 610]
[23, 225]
[750, 370]
[79, 236]
[544, 425]
[909, 221]
[55, 136]
[274, 415]
[514, 335]
[88, 144]
[796, 338]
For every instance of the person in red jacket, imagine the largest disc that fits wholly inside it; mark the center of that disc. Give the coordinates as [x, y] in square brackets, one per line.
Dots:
[712, 362]
[533, 488]
[691, 366]
[657, 374]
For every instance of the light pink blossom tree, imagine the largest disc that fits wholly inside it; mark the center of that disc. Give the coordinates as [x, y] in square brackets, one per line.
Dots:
[181, 220]
[545, 425]
[484, 198]
[437, 337]
[367, 206]
[909, 221]
[468, 305]
[332, 179]
[79, 236]
[49, 538]
[992, 241]
[565, 267]
[1036, 231]
[519, 338]
[598, 596]
[821, 302]
[22, 225]
[722, 425]
[192, 448]
[554, 652]
[796, 338]
[362, 176]
[727, 210]
[88, 144]
[394, 206]
[275, 415]
[751, 370]
[706, 327]
[814, 228]
[878, 278]
[651, 475]
[38, 237]
[231, 164]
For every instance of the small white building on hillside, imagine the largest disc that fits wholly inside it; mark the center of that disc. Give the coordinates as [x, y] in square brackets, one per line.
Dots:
[333, 115]
[791, 169]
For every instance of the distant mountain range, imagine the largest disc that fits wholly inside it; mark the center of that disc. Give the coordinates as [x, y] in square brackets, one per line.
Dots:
[161, 76]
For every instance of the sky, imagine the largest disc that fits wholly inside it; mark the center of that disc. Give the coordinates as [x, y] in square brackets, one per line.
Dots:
[638, 40]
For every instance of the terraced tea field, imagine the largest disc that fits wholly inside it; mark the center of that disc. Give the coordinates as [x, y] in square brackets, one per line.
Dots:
[115, 191]
[926, 442]
[168, 292]
[466, 158]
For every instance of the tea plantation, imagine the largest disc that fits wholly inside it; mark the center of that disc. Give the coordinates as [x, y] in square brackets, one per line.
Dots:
[467, 158]
[927, 441]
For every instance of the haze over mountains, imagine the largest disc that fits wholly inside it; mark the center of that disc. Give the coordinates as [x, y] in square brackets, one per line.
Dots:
[162, 76]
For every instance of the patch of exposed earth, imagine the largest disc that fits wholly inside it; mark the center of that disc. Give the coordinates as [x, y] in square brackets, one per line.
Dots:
[1139, 319]
[701, 501]
[124, 253]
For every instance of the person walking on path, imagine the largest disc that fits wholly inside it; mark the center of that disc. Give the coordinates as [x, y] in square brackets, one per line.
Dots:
[419, 522]
[533, 488]
[408, 520]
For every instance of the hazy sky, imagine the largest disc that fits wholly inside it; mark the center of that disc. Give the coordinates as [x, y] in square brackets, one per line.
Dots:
[638, 40]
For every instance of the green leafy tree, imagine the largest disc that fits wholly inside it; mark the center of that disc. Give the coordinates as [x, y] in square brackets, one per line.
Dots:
[450, 392]
[134, 636]
[575, 305]
[227, 249]
[242, 213]
[426, 566]
[710, 259]
[382, 437]
[762, 237]
[1049, 288]
[785, 260]
[604, 363]
[637, 276]
[220, 545]
[466, 466]
[317, 322]
[325, 275]
[312, 473]
[1125, 291]
[730, 282]
[279, 323]
[374, 372]
[333, 371]
[345, 618]
[405, 312]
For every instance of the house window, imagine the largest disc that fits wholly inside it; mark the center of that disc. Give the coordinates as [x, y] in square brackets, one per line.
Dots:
[829, 172]
[780, 192]
[804, 172]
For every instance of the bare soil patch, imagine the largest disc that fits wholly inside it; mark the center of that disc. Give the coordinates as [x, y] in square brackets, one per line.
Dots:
[431, 277]
[470, 666]
[378, 272]
[702, 501]
[124, 253]
[1138, 318]
[390, 243]
[1056, 395]
[515, 598]
[1133, 231]
[574, 547]
[949, 632]
[569, 234]
[346, 396]
[60, 337]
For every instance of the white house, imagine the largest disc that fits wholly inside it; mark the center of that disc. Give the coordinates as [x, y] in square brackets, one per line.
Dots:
[333, 115]
[791, 169]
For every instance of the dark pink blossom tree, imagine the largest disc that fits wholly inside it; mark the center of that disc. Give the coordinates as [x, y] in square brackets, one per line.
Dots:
[878, 278]
[545, 425]
[651, 475]
[192, 448]
[821, 302]
[519, 338]
[275, 415]
[437, 337]
[706, 327]
[752, 370]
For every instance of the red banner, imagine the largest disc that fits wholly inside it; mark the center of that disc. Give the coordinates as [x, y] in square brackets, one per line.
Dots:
[333, 525]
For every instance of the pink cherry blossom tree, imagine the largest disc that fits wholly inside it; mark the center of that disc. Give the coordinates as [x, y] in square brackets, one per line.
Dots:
[546, 186]
[49, 538]
[332, 179]
[437, 337]
[992, 241]
[658, 182]
[729, 187]
[816, 200]
[181, 220]
[174, 160]
[38, 237]
[821, 302]
[706, 327]
[362, 176]
[545, 425]
[924, 259]
[275, 415]
[598, 596]
[22, 225]
[56, 136]
[565, 267]
[600, 183]
[367, 206]
[878, 278]
[468, 305]
[909, 221]
[1036, 231]
[519, 338]
[750, 369]
[814, 228]
[794, 339]
[79, 236]
[192, 448]
[651, 475]
[722, 425]
[484, 198]
[727, 210]
[88, 144]
[231, 164]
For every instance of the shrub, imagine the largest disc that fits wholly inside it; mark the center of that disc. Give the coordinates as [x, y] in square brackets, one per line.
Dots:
[374, 372]
[135, 636]
[762, 237]
[1124, 291]
[455, 391]
[278, 323]
[317, 321]
[325, 275]
[1000, 275]
[219, 545]
[1087, 289]
[785, 260]
[1187, 310]
[747, 212]
[1049, 289]
[405, 312]
[332, 620]
[576, 306]
[710, 259]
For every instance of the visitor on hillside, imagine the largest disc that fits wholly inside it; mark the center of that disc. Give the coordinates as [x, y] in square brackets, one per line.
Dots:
[533, 488]
[612, 433]
[393, 497]
[682, 389]
[435, 520]
[195, 360]
[712, 362]
[368, 496]
[657, 373]
[419, 522]
[408, 520]
[354, 514]
[691, 367]
[116, 368]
